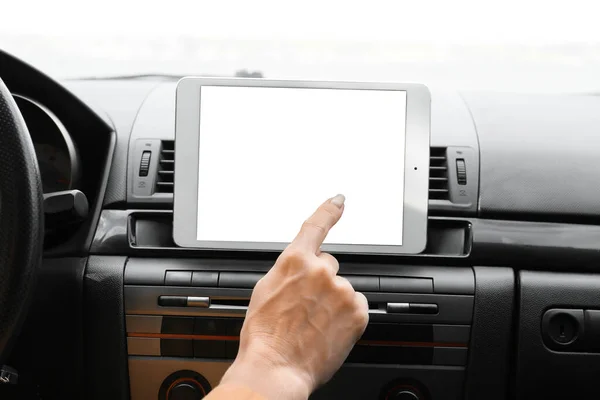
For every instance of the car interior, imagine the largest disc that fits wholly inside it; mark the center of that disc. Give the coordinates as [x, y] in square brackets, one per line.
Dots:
[504, 301]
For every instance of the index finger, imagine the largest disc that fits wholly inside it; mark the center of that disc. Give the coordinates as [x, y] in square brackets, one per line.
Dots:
[315, 229]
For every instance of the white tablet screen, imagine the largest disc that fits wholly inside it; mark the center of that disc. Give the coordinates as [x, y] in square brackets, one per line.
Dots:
[270, 156]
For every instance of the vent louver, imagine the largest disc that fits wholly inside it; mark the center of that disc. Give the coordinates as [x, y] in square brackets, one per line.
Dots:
[438, 174]
[165, 173]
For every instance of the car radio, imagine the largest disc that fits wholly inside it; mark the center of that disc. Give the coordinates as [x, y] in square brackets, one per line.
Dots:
[183, 320]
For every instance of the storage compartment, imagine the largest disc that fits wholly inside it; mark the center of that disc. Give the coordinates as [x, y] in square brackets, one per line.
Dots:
[557, 338]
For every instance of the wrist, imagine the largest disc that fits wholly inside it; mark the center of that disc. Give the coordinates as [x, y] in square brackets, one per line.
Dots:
[270, 381]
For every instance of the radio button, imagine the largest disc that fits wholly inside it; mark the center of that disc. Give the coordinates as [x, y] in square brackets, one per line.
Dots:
[406, 285]
[398, 308]
[420, 308]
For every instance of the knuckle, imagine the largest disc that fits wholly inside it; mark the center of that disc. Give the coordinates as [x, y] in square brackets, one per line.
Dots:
[320, 272]
[330, 259]
[362, 301]
[331, 211]
[259, 284]
[362, 319]
[293, 257]
[344, 284]
[312, 225]
[362, 311]
[345, 290]
[290, 261]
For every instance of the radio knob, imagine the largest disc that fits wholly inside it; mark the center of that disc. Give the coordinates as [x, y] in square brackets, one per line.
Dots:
[184, 385]
[186, 390]
[403, 394]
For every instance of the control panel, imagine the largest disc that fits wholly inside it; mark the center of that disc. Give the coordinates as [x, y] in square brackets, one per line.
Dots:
[186, 316]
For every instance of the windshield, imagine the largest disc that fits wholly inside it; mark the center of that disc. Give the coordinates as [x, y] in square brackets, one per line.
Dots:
[523, 46]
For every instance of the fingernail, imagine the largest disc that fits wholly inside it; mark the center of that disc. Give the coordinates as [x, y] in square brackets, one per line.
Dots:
[338, 200]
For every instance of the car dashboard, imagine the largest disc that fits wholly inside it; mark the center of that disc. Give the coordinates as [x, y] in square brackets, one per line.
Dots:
[503, 303]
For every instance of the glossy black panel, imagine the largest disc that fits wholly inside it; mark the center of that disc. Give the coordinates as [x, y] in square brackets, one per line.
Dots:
[210, 349]
[536, 245]
[181, 325]
[391, 355]
[218, 326]
[176, 348]
[398, 332]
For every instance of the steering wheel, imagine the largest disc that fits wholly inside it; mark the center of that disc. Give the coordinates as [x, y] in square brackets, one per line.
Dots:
[21, 220]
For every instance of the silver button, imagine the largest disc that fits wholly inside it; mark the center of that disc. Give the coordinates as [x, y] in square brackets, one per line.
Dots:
[203, 302]
[398, 308]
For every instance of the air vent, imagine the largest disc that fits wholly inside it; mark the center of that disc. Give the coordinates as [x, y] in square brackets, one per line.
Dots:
[165, 174]
[438, 174]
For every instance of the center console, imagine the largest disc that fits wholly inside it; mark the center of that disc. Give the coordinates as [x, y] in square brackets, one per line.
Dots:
[184, 316]
[168, 326]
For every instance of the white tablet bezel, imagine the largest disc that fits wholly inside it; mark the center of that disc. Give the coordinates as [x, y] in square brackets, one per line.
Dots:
[416, 167]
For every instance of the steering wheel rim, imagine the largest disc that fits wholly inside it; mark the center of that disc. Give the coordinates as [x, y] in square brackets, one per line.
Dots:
[21, 220]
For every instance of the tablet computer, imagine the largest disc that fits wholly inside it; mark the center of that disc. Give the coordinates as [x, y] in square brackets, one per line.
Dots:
[254, 158]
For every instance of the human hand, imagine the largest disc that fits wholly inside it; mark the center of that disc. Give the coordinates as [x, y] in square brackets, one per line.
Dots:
[302, 320]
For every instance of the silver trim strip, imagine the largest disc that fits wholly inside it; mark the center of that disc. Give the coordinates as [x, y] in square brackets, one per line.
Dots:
[398, 308]
[143, 323]
[453, 309]
[202, 302]
[143, 346]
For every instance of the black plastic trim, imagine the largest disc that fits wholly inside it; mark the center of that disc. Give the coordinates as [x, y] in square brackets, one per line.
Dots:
[49, 351]
[451, 333]
[106, 373]
[519, 244]
[490, 347]
[446, 280]
[80, 243]
[239, 279]
[536, 245]
[149, 233]
[92, 134]
[449, 356]
[409, 285]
